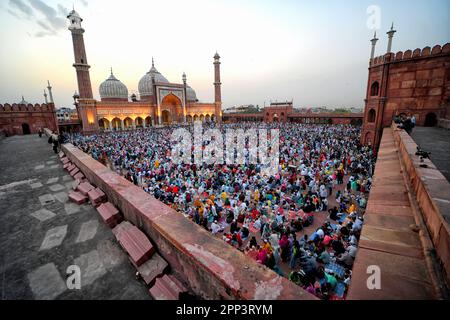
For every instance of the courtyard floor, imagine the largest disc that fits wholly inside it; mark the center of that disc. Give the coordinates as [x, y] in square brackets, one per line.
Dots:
[42, 233]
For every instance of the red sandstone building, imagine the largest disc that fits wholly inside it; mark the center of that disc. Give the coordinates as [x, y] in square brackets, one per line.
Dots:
[160, 101]
[411, 83]
[26, 118]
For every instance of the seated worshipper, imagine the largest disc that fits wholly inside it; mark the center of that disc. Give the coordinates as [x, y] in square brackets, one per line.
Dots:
[262, 256]
[333, 213]
[244, 233]
[234, 227]
[253, 242]
[345, 259]
[324, 256]
[284, 246]
[215, 227]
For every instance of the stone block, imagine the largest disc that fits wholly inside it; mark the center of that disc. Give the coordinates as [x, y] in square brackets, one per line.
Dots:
[85, 187]
[77, 197]
[166, 288]
[152, 268]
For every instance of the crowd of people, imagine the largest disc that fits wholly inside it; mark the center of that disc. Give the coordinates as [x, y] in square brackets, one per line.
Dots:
[303, 222]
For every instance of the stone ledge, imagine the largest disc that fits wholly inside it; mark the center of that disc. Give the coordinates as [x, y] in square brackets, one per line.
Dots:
[432, 191]
[211, 268]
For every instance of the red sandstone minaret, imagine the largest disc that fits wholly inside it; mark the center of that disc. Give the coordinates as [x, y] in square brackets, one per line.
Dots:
[217, 91]
[81, 64]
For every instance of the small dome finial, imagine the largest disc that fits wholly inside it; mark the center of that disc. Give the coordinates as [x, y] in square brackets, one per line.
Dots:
[112, 72]
[153, 62]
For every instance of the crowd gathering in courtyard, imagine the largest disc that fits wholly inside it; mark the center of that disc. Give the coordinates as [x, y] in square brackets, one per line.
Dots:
[303, 222]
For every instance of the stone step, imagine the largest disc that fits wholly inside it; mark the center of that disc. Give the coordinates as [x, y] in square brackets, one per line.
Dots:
[136, 244]
[65, 160]
[79, 176]
[110, 215]
[61, 154]
[125, 225]
[77, 197]
[153, 268]
[67, 165]
[74, 172]
[97, 197]
[166, 288]
[71, 167]
[85, 187]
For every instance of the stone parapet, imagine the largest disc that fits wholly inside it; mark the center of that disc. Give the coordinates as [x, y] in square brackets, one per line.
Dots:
[209, 266]
[432, 191]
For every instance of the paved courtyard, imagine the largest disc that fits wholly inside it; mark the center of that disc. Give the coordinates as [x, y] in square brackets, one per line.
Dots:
[436, 141]
[42, 234]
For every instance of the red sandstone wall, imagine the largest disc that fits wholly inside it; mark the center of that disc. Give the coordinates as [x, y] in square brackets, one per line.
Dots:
[212, 268]
[411, 82]
[36, 116]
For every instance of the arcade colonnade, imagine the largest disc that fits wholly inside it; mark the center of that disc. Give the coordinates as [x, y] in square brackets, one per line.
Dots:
[129, 122]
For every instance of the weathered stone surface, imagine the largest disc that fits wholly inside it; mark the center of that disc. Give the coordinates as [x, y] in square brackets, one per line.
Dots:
[46, 282]
[152, 268]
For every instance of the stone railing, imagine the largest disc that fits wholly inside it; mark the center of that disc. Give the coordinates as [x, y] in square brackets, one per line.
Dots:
[432, 191]
[209, 266]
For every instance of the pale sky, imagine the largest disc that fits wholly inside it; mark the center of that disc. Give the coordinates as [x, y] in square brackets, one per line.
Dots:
[314, 52]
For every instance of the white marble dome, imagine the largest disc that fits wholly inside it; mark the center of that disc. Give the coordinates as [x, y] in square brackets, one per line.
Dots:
[145, 86]
[191, 96]
[112, 88]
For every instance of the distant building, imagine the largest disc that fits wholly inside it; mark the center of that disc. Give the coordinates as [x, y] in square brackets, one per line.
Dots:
[66, 114]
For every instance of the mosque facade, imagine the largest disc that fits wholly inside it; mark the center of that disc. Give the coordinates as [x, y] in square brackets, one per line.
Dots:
[160, 101]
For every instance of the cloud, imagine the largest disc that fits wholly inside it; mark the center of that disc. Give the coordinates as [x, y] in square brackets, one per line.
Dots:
[51, 15]
[63, 10]
[51, 20]
[22, 7]
[84, 2]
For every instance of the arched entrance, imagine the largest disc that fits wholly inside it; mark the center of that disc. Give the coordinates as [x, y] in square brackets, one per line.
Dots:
[189, 118]
[128, 123]
[26, 128]
[139, 122]
[430, 120]
[148, 121]
[202, 118]
[172, 104]
[208, 118]
[275, 117]
[368, 138]
[103, 124]
[195, 117]
[166, 117]
[116, 124]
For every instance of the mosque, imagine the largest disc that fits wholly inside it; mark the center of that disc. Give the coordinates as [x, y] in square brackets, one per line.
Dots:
[160, 101]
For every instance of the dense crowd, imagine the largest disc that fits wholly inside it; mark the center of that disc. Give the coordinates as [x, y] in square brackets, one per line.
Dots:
[303, 222]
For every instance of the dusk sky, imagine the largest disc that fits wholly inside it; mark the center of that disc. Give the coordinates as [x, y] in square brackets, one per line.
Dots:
[314, 52]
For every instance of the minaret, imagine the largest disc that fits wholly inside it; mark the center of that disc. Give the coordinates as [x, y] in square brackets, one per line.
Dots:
[183, 77]
[49, 87]
[390, 34]
[81, 64]
[45, 97]
[217, 91]
[374, 42]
